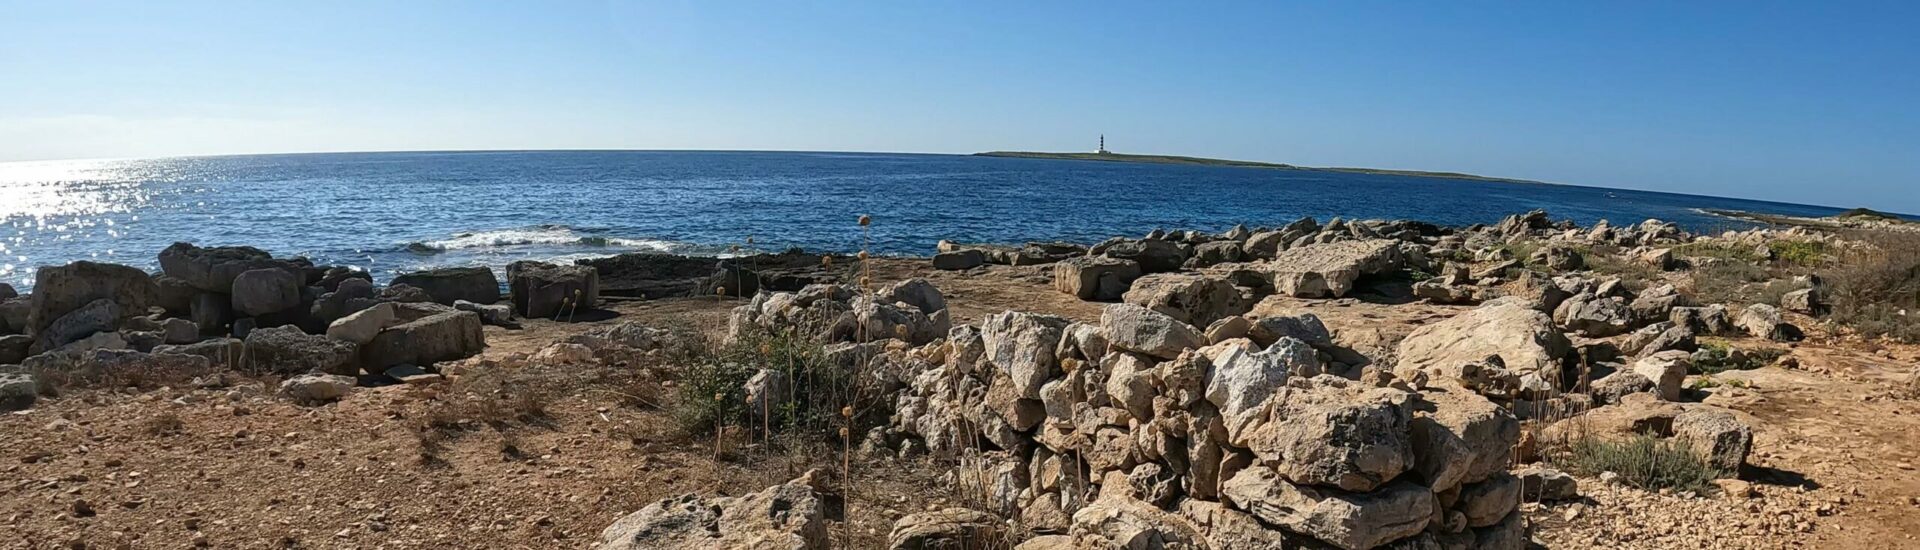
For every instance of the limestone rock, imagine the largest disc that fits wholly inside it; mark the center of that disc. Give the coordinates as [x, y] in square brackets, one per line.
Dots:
[1715, 434]
[1206, 254]
[1595, 316]
[1022, 345]
[443, 336]
[59, 290]
[18, 391]
[1243, 378]
[265, 291]
[1763, 321]
[102, 315]
[286, 350]
[1329, 270]
[1541, 484]
[317, 388]
[1667, 370]
[544, 290]
[1097, 278]
[944, 529]
[959, 259]
[1134, 328]
[789, 516]
[916, 292]
[1525, 340]
[1346, 520]
[1154, 256]
[1460, 437]
[1487, 502]
[1320, 433]
[449, 284]
[1194, 299]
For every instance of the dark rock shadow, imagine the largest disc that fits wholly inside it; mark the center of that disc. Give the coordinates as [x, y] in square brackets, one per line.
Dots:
[1777, 477]
[1390, 290]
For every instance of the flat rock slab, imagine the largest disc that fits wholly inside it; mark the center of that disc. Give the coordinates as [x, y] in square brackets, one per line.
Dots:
[1321, 270]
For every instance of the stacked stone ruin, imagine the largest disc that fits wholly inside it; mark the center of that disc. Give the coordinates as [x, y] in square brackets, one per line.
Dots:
[1141, 432]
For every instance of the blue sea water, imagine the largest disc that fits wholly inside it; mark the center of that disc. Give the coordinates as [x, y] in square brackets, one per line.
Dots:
[394, 212]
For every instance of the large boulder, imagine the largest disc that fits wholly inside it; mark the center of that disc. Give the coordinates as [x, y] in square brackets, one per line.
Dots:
[1524, 339]
[450, 284]
[1346, 520]
[1460, 437]
[945, 529]
[59, 290]
[1595, 316]
[1217, 252]
[1322, 432]
[916, 292]
[213, 269]
[1119, 521]
[432, 338]
[1329, 269]
[347, 296]
[174, 295]
[227, 352]
[1137, 329]
[1716, 435]
[102, 315]
[1153, 255]
[13, 348]
[1667, 370]
[1243, 377]
[18, 391]
[265, 291]
[1097, 278]
[287, 350]
[789, 516]
[1758, 320]
[1022, 345]
[1194, 299]
[363, 325]
[959, 259]
[540, 289]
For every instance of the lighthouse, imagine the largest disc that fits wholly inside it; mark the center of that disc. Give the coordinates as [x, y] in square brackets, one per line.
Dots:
[1103, 146]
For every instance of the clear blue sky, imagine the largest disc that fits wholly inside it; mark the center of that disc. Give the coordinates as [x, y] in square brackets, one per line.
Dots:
[1812, 102]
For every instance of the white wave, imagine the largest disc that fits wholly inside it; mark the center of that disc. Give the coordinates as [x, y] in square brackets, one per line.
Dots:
[537, 235]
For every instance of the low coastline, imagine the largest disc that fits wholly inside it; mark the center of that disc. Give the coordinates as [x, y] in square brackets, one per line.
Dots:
[1201, 161]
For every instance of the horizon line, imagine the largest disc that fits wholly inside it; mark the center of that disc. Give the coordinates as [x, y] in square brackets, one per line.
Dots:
[1492, 179]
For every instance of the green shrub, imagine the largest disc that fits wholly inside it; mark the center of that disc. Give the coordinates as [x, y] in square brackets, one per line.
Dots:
[1718, 357]
[1718, 249]
[1644, 461]
[1802, 253]
[711, 388]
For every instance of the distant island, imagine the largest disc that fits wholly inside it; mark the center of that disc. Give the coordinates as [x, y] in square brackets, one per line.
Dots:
[1174, 159]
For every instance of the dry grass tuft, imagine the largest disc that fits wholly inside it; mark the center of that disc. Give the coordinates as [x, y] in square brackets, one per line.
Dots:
[1875, 289]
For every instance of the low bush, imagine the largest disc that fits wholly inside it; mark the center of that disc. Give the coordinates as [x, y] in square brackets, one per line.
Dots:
[1645, 462]
[1800, 253]
[1725, 281]
[1718, 357]
[820, 396]
[1875, 288]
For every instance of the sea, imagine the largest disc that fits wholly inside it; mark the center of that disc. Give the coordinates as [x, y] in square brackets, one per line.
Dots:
[394, 212]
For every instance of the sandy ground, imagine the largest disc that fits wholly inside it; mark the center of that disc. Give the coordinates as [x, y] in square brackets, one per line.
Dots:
[240, 469]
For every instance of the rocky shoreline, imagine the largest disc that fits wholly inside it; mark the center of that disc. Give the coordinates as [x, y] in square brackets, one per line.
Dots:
[1190, 414]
